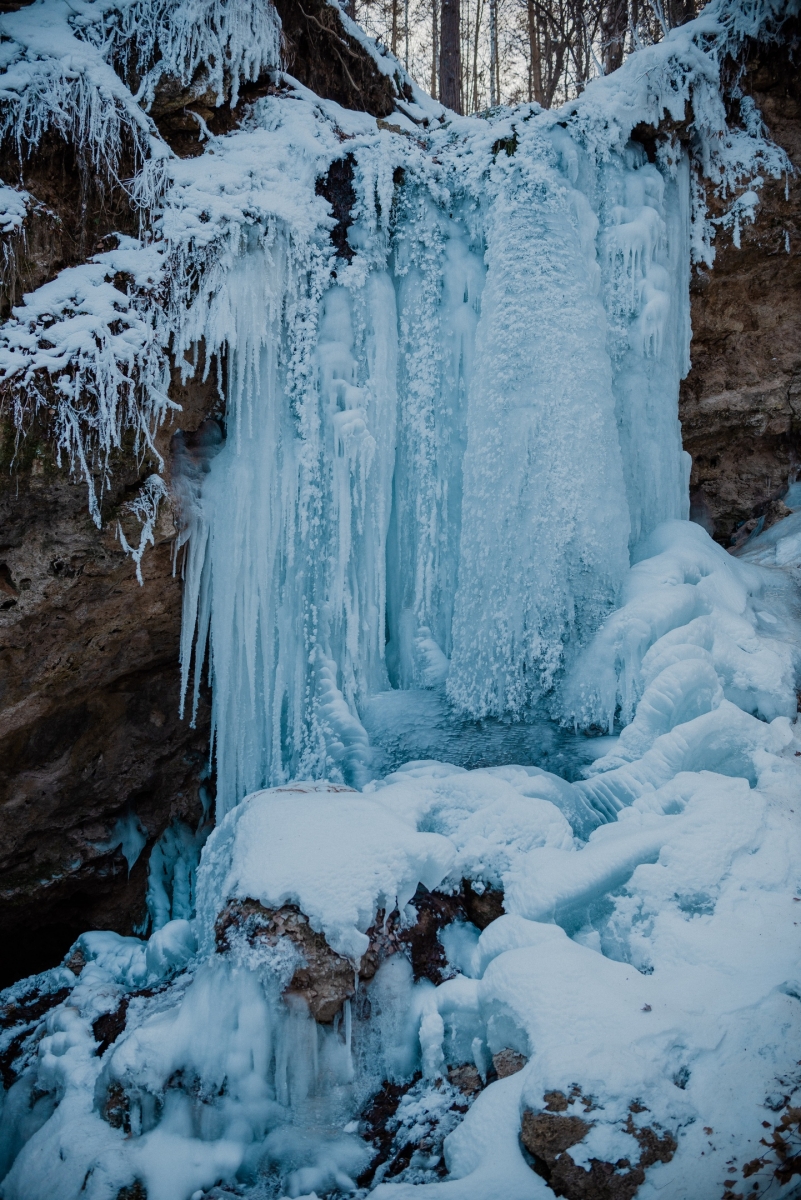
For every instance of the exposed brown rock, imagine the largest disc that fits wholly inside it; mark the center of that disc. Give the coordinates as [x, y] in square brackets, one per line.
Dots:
[134, 1191]
[24, 1016]
[323, 983]
[377, 1125]
[180, 112]
[740, 405]
[115, 1107]
[108, 1026]
[89, 726]
[766, 515]
[546, 1135]
[316, 50]
[466, 1078]
[74, 209]
[508, 1062]
[323, 57]
[434, 912]
[482, 907]
[414, 1145]
[549, 1135]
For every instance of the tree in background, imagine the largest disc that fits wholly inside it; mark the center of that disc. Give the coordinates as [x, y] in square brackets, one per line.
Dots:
[450, 55]
[473, 54]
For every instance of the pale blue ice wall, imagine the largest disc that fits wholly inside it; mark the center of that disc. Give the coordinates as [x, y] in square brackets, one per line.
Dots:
[644, 253]
[487, 411]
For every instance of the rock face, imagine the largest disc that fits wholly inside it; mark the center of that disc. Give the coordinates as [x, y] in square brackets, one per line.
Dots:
[323, 982]
[89, 728]
[740, 406]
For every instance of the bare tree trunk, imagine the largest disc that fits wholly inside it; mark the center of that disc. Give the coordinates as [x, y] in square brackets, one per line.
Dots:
[434, 47]
[614, 26]
[634, 20]
[493, 9]
[476, 32]
[678, 12]
[394, 46]
[464, 51]
[450, 57]
[535, 91]
[498, 50]
[555, 57]
[406, 33]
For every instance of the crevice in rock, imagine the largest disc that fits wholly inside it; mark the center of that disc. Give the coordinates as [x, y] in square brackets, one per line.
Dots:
[337, 188]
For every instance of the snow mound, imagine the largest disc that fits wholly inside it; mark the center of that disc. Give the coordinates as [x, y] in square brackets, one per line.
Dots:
[362, 858]
[689, 611]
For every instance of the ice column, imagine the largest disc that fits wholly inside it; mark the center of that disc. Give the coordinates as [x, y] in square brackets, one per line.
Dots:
[645, 257]
[544, 517]
[286, 564]
[440, 274]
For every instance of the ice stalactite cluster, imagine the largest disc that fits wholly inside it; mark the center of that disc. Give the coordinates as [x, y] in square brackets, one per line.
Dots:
[422, 477]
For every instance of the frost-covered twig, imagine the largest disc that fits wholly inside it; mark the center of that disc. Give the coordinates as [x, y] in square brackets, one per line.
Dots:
[90, 357]
[145, 507]
[213, 44]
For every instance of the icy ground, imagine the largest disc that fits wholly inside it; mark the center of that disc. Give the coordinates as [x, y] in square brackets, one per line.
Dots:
[644, 975]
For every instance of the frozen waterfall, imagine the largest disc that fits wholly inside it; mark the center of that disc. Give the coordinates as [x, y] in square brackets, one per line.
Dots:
[446, 492]
[437, 456]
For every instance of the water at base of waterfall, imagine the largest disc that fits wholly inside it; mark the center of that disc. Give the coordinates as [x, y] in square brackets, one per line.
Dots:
[422, 724]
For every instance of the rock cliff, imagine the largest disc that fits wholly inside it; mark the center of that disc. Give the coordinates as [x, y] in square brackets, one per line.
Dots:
[740, 405]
